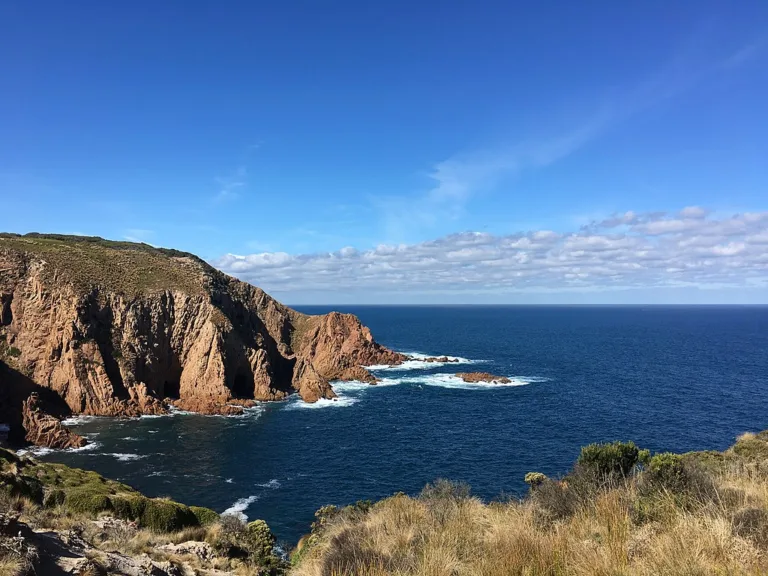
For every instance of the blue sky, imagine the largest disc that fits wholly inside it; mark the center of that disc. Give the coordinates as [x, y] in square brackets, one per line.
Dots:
[399, 152]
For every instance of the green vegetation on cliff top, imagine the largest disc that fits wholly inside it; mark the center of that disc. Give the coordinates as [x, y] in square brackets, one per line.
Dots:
[125, 267]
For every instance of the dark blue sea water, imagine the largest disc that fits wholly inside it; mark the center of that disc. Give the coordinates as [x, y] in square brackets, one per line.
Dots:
[669, 378]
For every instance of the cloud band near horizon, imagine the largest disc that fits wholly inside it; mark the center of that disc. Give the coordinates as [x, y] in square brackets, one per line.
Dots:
[689, 248]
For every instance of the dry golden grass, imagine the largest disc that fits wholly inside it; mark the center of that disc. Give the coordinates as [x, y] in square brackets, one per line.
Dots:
[716, 525]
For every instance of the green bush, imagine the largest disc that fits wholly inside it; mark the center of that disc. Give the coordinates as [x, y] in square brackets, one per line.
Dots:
[14, 352]
[54, 498]
[611, 459]
[128, 507]
[87, 502]
[166, 516]
[667, 470]
[205, 516]
[534, 479]
[262, 541]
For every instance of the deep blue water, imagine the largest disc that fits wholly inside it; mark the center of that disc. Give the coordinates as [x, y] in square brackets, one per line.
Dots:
[669, 378]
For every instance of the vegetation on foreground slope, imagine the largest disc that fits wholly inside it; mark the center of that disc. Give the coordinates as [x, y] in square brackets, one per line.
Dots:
[117, 527]
[620, 511]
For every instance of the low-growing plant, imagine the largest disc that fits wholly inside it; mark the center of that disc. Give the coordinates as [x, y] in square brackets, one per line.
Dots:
[609, 460]
[205, 516]
[534, 479]
[162, 515]
[53, 498]
[87, 502]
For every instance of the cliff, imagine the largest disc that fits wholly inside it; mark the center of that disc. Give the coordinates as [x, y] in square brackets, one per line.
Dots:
[122, 329]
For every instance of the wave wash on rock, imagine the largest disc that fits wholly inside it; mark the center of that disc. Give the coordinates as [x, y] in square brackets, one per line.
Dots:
[114, 328]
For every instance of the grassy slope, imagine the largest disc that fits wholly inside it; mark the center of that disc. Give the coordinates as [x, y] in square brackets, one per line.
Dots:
[123, 267]
[698, 514]
[51, 496]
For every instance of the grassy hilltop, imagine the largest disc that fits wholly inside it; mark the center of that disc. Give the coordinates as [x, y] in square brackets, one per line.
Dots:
[125, 267]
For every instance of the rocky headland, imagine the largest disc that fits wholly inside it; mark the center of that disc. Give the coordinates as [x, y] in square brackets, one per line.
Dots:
[122, 329]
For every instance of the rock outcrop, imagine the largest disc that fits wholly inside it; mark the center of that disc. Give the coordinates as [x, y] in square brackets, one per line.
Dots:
[474, 377]
[45, 430]
[115, 328]
[441, 359]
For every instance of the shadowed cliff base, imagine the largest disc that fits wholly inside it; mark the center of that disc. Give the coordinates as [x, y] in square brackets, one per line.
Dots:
[115, 328]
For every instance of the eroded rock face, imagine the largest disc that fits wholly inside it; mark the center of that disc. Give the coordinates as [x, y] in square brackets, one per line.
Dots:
[46, 430]
[483, 377]
[115, 331]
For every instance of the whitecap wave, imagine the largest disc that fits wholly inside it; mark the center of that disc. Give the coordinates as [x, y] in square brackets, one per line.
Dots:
[34, 451]
[273, 484]
[78, 420]
[124, 457]
[338, 402]
[418, 361]
[453, 381]
[239, 507]
[229, 480]
[87, 448]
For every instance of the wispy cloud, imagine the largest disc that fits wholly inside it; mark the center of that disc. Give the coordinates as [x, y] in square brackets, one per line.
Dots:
[746, 52]
[627, 251]
[462, 177]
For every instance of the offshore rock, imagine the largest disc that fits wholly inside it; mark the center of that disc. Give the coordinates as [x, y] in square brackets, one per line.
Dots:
[473, 377]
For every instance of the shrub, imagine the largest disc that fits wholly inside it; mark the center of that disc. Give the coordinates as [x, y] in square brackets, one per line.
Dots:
[667, 470]
[54, 498]
[87, 502]
[751, 447]
[609, 460]
[205, 516]
[229, 537]
[534, 479]
[128, 507]
[323, 516]
[14, 352]
[442, 489]
[166, 516]
[261, 539]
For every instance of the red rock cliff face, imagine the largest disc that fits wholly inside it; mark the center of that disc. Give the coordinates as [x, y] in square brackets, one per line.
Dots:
[113, 329]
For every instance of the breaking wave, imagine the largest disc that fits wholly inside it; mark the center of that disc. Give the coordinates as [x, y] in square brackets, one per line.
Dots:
[124, 457]
[240, 506]
[419, 362]
[453, 381]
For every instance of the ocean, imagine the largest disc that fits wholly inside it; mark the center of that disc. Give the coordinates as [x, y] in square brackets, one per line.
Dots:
[669, 378]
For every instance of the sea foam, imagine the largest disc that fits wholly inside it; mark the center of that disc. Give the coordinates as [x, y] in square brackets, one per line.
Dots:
[453, 381]
[240, 506]
[418, 361]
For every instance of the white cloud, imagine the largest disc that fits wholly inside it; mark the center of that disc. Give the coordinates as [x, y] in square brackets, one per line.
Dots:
[652, 250]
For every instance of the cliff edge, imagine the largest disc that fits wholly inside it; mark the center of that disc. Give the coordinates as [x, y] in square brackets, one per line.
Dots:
[124, 329]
